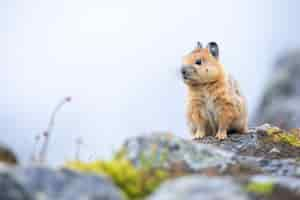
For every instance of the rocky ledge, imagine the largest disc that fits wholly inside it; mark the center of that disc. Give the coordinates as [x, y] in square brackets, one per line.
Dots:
[261, 164]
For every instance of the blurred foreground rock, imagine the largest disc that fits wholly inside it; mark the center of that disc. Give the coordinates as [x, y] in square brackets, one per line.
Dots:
[33, 183]
[200, 187]
[280, 102]
[260, 187]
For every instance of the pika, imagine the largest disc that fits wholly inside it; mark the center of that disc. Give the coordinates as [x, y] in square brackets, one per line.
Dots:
[215, 103]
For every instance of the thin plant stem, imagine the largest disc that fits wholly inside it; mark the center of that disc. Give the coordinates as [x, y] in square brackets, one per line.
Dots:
[35, 147]
[48, 132]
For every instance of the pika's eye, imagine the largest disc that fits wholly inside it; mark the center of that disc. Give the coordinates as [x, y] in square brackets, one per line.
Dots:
[198, 62]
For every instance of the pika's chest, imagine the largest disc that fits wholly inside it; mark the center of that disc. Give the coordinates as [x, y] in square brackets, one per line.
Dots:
[209, 109]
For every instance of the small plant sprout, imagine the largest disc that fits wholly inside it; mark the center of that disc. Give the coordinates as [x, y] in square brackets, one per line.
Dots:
[47, 133]
[78, 143]
[35, 147]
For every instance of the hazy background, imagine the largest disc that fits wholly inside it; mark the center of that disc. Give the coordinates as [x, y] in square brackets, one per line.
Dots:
[120, 60]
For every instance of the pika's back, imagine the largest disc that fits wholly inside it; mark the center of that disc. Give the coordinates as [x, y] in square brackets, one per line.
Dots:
[234, 86]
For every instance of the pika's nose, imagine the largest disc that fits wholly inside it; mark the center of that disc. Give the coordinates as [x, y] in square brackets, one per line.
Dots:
[187, 70]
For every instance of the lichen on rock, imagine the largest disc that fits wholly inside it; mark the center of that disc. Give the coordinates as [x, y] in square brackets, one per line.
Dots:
[278, 135]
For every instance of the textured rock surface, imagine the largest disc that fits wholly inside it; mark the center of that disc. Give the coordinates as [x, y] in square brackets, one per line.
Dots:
[44, 183]
[165, 150]
[257, 151]
[280, 102]
[200, 187]
[254, 151]
[278, 167]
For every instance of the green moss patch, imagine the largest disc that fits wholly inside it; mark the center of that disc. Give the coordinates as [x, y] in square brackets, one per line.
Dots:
[265, 188]
[136, 183]
[278, 135]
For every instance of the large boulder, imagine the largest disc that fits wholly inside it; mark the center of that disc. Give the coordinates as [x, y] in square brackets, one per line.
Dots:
[280, 102]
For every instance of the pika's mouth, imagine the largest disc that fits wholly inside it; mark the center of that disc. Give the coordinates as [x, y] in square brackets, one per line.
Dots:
[189, 79]
[186, 77]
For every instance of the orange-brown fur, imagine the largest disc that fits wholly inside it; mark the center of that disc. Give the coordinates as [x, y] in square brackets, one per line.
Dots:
[215, 103]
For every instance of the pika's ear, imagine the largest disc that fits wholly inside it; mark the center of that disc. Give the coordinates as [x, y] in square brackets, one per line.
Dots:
[213, 49]
[199, 45]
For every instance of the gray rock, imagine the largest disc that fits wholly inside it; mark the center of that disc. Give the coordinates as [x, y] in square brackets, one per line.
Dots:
[280, 101]
[256, 142]
[200, 187]
[278, 167]
[45, 183]
[256, 150]
[167, 151]
[10, 189]
[284, 113]
[243, 144]
[251, 152]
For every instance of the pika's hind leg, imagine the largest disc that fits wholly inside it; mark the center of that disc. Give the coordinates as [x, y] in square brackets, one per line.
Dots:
[200, 133]
[222, 133]
[241, 123]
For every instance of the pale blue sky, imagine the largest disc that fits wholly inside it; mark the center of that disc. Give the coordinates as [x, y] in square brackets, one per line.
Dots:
[120, 61]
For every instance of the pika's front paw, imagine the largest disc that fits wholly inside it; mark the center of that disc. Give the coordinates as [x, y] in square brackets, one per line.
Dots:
[198, 135]
[221, 135]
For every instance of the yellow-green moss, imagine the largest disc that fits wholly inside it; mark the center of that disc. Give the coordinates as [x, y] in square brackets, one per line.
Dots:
[265, 188]
[279, 135]
[135, 183]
